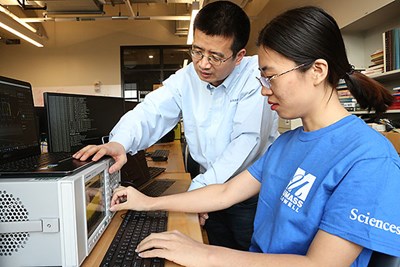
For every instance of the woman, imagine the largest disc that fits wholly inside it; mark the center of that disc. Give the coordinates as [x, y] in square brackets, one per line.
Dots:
[328, 190]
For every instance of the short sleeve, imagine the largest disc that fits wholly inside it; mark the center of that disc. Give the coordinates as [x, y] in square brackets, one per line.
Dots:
[256, 169]
[363, 208]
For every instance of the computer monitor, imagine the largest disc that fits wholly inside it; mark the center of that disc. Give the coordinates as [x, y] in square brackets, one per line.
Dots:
[129, 105]
[41, 121]
[75, 121]
[18, 128]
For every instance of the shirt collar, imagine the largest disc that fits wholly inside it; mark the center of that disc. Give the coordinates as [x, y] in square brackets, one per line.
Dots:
[227, 82]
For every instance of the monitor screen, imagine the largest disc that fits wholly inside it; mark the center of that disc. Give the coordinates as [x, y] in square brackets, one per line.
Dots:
[18, 129]
[135, 171]
[41, 121]
[95, 202]
[75, 121]
[129, 105]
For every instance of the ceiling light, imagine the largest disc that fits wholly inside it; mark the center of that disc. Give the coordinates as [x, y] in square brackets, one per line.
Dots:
[17, 33]
[195, 10]
[17, 19]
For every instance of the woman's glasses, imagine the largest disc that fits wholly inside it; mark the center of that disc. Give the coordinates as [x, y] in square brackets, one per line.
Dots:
[266, 81]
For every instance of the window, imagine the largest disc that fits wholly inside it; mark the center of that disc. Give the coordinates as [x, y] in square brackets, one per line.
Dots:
[143, 68]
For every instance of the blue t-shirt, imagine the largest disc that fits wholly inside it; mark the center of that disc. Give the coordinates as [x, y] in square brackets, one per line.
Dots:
[343, 179]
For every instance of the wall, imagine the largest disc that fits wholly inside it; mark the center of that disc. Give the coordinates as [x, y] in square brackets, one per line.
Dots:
[78, 54]
[344, 12]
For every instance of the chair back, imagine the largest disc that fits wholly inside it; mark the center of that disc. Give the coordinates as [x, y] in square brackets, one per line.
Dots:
[383, 260]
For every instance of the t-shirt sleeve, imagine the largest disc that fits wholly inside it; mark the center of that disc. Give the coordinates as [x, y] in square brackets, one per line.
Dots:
[257, 168]
[364, 207]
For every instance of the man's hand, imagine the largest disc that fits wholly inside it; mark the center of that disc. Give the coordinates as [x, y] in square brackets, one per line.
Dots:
[113, 149]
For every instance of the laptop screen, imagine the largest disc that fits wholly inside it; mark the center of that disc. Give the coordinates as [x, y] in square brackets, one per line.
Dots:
[135, 172]
[18, 131]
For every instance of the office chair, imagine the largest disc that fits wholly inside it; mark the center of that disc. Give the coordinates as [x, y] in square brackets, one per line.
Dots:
[382, 260]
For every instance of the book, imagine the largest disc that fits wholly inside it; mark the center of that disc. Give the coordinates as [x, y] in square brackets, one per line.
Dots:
[387, 37]
[396, 45]
[375, 67]
[391, 55]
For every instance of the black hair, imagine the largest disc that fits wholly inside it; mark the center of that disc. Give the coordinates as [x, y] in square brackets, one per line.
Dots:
[224, 18]
[308, 33]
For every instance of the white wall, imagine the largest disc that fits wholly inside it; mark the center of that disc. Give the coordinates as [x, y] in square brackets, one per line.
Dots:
[344, 12]
[78, 54]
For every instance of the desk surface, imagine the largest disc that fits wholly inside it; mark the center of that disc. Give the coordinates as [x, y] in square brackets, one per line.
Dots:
[175, 159]
[187, 223]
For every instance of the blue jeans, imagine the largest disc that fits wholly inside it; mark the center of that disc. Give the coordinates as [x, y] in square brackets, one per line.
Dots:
[232, 227]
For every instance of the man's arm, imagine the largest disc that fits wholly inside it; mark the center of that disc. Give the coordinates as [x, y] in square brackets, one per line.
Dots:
[148, 121]
[137, 129]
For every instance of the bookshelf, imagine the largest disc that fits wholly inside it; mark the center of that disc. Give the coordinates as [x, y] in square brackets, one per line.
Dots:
[364, 37]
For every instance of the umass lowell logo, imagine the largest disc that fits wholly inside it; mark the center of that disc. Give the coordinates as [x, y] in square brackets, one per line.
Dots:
[297, 190]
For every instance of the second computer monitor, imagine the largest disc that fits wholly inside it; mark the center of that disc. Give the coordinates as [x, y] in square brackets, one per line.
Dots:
[129, 105]
[75, 121]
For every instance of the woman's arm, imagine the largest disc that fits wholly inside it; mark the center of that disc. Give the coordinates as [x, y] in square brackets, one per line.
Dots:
[209, 198]
[326, 250]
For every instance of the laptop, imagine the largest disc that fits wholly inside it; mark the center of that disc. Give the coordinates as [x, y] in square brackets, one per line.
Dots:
[136, 173]
[20, 147]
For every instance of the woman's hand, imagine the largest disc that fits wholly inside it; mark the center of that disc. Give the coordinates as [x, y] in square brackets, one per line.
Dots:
[129, 198]
[174, 246]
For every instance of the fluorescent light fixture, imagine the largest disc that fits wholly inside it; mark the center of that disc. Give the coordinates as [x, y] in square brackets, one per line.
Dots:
[195, 10]
[17, 33]
[17, 19]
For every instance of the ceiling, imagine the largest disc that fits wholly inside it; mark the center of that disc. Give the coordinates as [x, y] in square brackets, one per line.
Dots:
[35, 13]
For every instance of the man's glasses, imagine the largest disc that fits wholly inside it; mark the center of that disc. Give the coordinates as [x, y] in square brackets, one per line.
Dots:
[213, 60]
[266, 81]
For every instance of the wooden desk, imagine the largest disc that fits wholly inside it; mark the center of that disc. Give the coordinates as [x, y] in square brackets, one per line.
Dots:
[175, 159]
[187, 223]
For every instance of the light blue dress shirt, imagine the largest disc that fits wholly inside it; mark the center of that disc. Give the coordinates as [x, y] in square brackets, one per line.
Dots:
[226, 127]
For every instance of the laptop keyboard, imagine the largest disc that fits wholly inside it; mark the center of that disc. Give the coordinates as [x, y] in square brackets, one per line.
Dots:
[160, 155]
[33, 162]
[157, 187]
[156, 171]
[135, 226]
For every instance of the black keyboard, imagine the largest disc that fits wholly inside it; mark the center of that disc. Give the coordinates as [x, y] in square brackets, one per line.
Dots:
[33, 162]
[133, 229]
[155, 171]
[160, 155]
[157, 187]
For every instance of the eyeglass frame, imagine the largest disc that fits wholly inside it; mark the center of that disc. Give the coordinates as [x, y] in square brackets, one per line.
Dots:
[219, 60]
[266, 81]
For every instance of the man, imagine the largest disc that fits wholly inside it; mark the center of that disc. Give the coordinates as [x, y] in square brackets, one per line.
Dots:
[219, 99]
